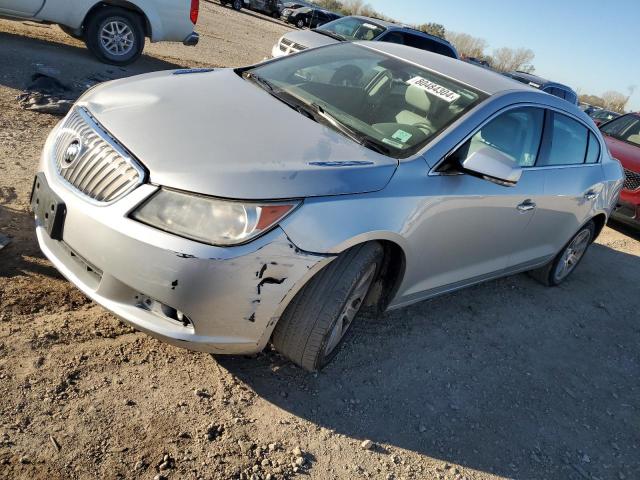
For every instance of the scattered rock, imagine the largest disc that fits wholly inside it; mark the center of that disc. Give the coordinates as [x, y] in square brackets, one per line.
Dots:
[366, 445]
[129, 403]
[297, 451]
[245, 447]
[202, 393]
[214, 431]
[24, 459]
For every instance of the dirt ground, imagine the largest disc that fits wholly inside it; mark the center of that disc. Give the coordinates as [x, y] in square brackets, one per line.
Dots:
[504, 380]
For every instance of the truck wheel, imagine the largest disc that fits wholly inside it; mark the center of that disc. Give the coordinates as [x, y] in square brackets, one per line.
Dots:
[115, 35]
[237, 5]
[315, 323]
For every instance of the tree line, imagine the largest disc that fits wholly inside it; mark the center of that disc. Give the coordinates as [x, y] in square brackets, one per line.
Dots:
[503, 59]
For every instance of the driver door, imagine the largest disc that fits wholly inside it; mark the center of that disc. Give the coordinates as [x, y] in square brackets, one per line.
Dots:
[471, 226]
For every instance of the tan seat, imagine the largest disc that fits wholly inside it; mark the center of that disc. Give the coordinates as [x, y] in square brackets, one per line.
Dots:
[635, 138]
[417, 116]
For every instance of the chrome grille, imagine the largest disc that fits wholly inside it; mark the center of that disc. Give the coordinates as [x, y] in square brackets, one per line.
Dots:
[288, 45]
[631, 180]
[102, 170]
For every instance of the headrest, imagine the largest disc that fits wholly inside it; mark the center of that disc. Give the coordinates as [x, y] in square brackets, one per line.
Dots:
[417, 98]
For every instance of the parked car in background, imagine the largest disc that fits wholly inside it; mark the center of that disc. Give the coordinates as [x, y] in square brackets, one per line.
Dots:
[114, 31]
[553, 88]
[361, 28]
[273, 8]
[308, 16]
[601, 116]
[419, 176]
[622, 136]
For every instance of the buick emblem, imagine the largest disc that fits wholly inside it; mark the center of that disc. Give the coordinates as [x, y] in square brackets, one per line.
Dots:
[71, 154]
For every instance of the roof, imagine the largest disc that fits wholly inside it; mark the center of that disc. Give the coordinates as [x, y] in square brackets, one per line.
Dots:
[477, 77]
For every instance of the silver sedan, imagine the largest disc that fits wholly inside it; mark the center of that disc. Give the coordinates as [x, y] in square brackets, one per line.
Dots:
[223, 210]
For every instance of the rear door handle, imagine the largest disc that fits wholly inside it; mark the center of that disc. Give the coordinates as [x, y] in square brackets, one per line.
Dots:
[590, 195]
[526, 206]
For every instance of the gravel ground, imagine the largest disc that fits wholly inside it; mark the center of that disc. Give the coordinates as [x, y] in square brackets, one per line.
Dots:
[504, 380]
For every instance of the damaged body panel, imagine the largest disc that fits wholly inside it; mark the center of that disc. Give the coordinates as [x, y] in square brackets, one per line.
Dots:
[207, 298]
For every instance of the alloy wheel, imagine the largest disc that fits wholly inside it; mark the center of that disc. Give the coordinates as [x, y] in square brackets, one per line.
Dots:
[572, 255]
[117, 38]
[350, 310]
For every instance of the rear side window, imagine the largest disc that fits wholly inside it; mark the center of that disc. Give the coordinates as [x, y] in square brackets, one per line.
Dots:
[424, 43]
[568, 141]
[516, 133]
[570, 97]
[593, 150]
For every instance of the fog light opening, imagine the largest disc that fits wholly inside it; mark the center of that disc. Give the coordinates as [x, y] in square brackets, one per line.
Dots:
[163, 310]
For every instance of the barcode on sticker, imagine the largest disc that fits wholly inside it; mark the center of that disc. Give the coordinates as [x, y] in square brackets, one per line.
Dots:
[434, 89]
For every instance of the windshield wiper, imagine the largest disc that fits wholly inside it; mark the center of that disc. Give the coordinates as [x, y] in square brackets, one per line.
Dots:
[359, 138]
[331, 34]
[265, 84]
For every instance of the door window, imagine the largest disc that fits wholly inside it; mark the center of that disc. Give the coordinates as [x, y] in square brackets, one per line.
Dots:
[568, 141]
[424, 43]
[516, 133]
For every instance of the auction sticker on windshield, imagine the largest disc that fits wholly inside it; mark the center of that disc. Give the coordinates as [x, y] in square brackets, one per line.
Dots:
[434, 89]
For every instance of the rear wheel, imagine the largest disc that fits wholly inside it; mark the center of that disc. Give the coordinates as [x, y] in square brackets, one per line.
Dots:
[115, 35]
[300, 23]
[316, 322]
[563, 265]
[237, 4]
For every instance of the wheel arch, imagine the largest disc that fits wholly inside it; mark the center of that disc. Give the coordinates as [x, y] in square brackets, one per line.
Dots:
[599, 220]
[146, 23]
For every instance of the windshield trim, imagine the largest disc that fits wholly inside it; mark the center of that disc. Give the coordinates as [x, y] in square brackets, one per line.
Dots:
[362, 20]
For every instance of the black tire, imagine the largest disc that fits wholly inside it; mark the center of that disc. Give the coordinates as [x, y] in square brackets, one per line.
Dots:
[103, 17]
[300, 23]
[547, 275]
[72, 32]
[237, 5]
[304, 330]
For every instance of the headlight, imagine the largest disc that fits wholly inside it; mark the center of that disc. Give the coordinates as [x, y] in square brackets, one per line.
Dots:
[210, 220]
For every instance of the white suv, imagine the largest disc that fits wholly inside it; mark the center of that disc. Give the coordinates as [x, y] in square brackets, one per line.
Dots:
[113, 31]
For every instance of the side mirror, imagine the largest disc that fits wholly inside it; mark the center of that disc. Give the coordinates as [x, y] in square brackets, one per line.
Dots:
[494, 166]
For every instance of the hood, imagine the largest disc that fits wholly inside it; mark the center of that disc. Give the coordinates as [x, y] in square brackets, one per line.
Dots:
[309, 38]
[217, 134]
[629, 155]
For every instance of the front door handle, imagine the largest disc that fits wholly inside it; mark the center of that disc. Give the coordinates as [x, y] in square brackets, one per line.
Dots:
[590, 195]
[526, 206]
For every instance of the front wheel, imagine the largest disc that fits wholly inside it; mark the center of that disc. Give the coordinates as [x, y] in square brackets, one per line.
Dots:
[563, 265]
[300, 23]
[315, 323]
[237, 4]
[115, 35]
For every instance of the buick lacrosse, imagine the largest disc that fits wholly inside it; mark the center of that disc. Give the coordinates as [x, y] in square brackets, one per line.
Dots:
[223, 210]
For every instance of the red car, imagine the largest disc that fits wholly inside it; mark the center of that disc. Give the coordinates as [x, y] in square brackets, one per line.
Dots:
[622, 135]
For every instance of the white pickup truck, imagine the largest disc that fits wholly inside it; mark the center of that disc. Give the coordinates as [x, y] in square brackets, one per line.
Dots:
[113, 30]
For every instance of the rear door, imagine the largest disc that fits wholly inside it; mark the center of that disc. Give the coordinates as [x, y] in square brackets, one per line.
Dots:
[21, 8]
[570, 158]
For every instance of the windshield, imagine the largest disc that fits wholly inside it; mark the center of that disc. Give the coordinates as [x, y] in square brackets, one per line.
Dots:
[626, 128]
[605, 115]
[382, 99]
[351, 28]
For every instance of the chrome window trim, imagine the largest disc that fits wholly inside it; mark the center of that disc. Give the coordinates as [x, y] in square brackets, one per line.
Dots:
[434, 172]
[86, 116]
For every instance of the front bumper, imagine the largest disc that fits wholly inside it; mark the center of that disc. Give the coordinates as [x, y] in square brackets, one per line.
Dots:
[232, 296]
[191, 40]
[276, 52]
